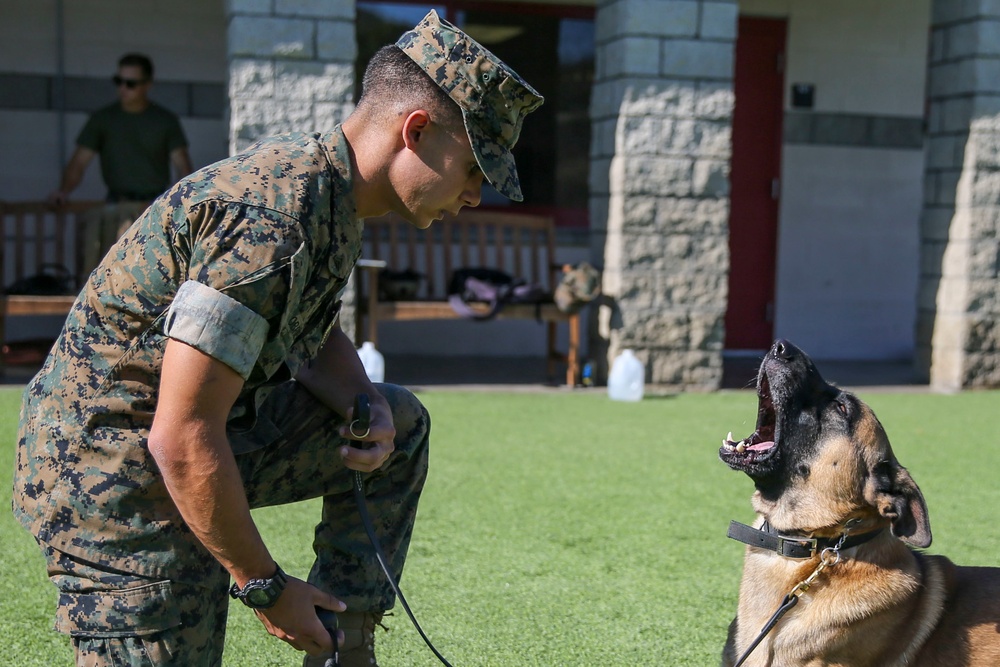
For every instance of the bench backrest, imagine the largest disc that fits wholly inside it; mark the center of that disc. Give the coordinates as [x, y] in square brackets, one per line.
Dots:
[523, 246]
[33, 234]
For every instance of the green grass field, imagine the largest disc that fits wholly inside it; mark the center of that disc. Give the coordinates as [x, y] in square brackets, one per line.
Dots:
[566, 529]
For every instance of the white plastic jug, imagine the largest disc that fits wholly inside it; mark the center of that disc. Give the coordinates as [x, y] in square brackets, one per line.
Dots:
[625, 381]
[373, 361]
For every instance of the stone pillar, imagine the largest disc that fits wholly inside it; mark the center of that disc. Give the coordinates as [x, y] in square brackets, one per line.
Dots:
[958, 322]
[291, 68]
[662, 114]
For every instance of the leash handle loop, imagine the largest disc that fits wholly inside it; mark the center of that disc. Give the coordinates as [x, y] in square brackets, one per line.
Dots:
[361, 426]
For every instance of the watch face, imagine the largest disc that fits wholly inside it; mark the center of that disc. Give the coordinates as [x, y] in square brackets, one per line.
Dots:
[258, 597]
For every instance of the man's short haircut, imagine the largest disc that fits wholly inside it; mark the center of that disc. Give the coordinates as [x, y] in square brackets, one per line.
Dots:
[393, 83]
[138, 60]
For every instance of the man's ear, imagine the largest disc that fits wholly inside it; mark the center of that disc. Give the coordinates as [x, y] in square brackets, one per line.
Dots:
[415, 125]
[898, 498]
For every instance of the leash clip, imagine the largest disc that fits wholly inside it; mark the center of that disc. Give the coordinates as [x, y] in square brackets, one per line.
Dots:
[807, 583]
[827, 558]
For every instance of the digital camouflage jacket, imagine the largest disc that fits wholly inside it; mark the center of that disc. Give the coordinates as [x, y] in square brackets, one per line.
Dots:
[246, 260]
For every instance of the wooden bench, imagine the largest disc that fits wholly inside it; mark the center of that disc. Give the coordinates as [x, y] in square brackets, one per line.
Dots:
[32, 234]
[522, 246]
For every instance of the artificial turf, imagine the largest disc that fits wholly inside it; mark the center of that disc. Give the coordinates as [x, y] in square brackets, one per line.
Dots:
[562, 528]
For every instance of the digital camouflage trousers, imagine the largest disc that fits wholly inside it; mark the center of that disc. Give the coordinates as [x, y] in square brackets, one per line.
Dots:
[117, 618]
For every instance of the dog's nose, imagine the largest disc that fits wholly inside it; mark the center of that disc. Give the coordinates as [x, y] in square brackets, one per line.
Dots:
[784, 350]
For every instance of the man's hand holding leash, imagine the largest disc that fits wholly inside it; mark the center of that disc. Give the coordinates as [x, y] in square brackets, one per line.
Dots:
[378, 436]
[293, 618]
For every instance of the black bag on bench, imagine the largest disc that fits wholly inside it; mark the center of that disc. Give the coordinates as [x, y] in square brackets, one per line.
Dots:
[51, 280]
[492, 286]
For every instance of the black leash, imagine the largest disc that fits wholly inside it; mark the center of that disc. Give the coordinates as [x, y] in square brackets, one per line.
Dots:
[329, 621]
[786, 604]
[359, 498]
[362, 422]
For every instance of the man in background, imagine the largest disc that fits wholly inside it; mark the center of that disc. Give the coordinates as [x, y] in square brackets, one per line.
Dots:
[138, 141]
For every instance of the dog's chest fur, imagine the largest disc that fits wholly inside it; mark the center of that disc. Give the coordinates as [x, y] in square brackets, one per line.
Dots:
[837, 618]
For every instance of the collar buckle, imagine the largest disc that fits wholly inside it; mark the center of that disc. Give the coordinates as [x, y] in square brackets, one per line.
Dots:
[796, 544]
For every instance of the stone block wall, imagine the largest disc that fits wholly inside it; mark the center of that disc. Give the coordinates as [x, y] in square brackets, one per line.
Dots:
[958, 338]
[662, 115]
[291, 68]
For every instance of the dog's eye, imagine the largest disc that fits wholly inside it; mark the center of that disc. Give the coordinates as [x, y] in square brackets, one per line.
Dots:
[842, 407]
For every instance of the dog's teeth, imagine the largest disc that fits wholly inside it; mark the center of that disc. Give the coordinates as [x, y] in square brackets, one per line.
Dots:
[729, 438]
[741, 447]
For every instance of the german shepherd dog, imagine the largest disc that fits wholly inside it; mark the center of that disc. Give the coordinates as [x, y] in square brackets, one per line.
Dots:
[829, 490]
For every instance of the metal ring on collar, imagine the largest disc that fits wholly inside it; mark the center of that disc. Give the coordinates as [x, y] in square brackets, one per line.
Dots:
[359, 436]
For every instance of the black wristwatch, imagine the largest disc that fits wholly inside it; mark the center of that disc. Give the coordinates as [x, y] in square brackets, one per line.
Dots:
[261, 593]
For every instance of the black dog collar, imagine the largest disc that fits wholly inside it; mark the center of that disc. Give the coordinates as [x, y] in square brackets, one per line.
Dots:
[791, 546]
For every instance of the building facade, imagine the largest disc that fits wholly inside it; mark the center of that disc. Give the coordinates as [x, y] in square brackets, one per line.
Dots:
[740, 169]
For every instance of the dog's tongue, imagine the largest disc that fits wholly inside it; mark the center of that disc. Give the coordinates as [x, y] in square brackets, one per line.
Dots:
[761, 446]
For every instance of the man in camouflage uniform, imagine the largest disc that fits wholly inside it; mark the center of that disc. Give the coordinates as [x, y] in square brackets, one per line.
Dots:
[202, 373]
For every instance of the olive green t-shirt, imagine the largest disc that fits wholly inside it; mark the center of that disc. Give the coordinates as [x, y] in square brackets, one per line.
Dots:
[134, 148]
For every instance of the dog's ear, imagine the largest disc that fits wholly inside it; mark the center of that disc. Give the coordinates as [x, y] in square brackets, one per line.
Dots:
[898, 498]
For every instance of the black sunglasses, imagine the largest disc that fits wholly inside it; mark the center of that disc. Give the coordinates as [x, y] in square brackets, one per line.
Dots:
[128, 83]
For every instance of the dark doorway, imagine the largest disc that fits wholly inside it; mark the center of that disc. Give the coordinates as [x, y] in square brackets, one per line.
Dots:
[754, 180]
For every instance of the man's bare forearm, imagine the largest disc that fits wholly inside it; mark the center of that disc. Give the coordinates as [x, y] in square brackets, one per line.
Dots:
[336, 375]
[189, 443]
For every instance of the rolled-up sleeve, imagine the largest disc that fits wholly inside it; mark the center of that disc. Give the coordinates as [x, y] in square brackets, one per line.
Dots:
[217, 325]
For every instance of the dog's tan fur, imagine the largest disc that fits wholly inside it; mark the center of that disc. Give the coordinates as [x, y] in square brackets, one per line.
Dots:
[883, 604]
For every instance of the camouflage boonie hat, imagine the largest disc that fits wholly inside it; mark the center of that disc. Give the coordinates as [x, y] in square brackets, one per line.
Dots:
[493, 98]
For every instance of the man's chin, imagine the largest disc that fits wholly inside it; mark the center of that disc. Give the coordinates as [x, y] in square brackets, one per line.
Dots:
[421, 218]
[420, 223]
[424, 220]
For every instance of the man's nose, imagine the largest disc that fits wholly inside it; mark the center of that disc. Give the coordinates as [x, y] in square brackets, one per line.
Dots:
[473, 191]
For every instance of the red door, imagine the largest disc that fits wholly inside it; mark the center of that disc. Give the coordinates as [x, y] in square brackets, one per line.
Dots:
[754, 185]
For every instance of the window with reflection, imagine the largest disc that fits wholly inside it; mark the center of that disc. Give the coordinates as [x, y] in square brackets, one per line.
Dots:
[552, 47]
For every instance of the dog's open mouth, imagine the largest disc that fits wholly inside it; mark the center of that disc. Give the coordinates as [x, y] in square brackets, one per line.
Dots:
[751, 453]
